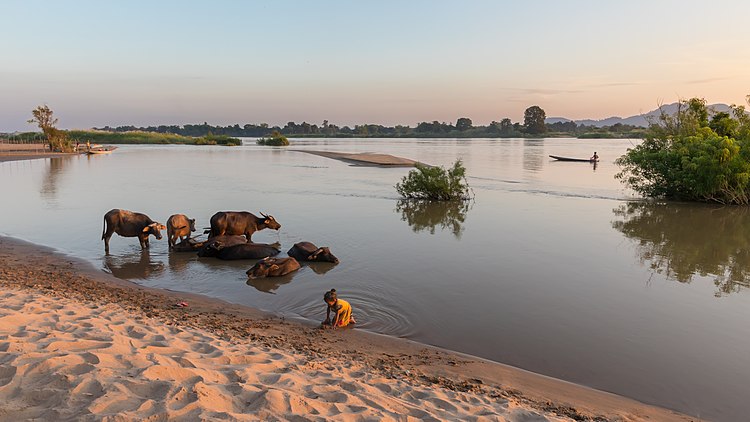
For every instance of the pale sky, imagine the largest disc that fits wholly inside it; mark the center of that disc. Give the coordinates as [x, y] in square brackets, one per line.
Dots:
[98, 63]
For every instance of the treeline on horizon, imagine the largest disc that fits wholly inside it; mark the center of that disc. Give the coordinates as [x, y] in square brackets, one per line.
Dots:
[533, 126]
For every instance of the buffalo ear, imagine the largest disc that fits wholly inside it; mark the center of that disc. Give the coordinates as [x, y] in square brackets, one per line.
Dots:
[146, 229]
[274, 267]
[162, 227]
[267, 221]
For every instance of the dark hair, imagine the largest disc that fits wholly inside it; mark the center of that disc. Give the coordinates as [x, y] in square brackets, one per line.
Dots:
[330, 296]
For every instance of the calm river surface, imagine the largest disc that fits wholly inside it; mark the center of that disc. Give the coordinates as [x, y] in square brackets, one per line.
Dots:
[553, 268]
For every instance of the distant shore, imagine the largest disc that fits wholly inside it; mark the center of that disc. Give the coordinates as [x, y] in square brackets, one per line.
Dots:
[81, 342]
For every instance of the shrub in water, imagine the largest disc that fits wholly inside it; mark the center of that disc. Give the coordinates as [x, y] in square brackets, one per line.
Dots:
[276, 140]
[435, 183]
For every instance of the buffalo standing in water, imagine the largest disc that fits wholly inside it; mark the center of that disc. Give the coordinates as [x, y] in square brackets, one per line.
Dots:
[130, 224]
[240, 223]
[306, 251]
[179, 227]
[273, 267]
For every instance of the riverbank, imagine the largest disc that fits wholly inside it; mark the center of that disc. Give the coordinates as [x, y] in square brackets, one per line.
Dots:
[80, 344]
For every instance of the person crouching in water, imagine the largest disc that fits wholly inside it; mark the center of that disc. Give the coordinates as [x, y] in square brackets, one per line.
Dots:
[342, 311]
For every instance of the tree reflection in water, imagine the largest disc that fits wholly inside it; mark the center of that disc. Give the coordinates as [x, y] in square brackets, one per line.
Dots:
[55, 169]
[682, 240]
[426, 215]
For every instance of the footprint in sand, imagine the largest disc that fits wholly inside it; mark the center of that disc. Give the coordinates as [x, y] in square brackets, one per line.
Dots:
[134, 332]
[6, 374]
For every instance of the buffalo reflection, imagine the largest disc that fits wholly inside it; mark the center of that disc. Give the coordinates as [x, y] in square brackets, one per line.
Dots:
[682, 240]
[426, 215]
[136, 265]
[270, 284]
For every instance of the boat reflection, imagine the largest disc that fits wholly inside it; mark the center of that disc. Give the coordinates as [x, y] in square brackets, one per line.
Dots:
[136, 265]
[684, 240]
[427, 215]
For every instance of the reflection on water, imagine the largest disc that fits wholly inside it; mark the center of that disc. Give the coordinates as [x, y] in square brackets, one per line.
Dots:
[319, 268]
[682, 240]
[427, 215]
[270, 284]
[533, 154]
[136, 265]
[51, 178]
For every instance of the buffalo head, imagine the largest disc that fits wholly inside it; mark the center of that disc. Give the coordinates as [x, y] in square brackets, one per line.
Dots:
[155, 229]
[270, 222]
[273, 267]
[323, 255]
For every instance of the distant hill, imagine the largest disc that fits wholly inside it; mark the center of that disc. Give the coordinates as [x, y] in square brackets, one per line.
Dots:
[637, 120]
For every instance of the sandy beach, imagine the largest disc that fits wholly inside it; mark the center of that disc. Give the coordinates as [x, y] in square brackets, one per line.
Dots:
[79, 344]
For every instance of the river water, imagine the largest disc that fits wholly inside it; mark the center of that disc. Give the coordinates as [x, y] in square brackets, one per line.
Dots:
[554, 267]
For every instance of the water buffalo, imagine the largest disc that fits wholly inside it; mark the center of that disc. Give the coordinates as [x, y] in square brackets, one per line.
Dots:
[212, 246]
[306, 251]
[129, 224]
[247, 251]
[240, 223]
[273, 267]
[179, 227]
[189, 245]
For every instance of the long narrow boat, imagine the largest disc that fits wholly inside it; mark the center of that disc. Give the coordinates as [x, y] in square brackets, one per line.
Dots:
[583, 160]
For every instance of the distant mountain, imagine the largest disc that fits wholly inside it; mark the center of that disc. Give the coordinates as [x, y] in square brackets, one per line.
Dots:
[637, 120]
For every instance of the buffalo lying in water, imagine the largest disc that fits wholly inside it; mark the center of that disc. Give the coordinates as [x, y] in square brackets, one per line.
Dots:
[179, 226]
[189, 245]
[247, 251]
[129, 224]
[240, 223]
[273, 267]
[306, 251]
[212, 246]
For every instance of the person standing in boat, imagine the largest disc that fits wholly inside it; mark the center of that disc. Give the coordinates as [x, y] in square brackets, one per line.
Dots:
[594, 157]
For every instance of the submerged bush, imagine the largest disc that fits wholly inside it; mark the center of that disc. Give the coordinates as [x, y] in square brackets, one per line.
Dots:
[435, 183]
[276, 139]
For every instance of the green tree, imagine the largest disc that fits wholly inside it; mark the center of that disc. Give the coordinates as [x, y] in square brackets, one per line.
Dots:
[684, 158]
[435, 183]
[463, 123]
[57, 139]
[533, 120]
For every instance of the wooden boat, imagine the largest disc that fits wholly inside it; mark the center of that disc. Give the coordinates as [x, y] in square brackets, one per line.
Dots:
[584, 160]
[100, 150]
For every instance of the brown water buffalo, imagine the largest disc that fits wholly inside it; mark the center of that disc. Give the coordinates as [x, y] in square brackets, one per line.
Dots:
[212, 246]
[179, 227]
[306, 251]
[189, 245]
[129, 224]
[273, 267]
[248, 251]
[240, 223]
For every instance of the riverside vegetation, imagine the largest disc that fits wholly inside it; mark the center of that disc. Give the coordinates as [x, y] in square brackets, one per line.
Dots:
[435, 183]
[693, 155]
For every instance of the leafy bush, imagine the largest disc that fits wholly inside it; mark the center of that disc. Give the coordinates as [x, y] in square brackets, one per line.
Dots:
[435, 183]
[218, 140]
[684, 158]
[276, 139]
